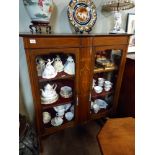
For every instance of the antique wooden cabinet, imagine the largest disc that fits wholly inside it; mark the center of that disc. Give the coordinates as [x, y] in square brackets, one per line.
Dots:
[95, 56]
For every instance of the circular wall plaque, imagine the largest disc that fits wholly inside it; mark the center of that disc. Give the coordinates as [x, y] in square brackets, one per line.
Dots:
[82, 14]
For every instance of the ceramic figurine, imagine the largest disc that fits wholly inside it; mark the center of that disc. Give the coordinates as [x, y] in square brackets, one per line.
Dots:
[40, 66]
[58, 64]
[49, 71]
[117, 23]
[49, 94]
[69, 66]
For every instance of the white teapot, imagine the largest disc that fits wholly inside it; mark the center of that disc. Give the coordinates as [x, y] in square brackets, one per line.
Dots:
[69, 66]
[49, 71]
[58, 64]
[49, 94]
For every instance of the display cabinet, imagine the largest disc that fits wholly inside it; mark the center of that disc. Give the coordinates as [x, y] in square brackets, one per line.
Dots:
[74, 78]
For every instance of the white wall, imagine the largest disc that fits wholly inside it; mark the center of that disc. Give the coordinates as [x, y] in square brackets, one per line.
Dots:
[60, 24]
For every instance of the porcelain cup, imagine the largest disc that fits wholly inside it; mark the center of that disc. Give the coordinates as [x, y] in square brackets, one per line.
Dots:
[60, 113]
[107, 88]
[101, 80]
[69, 116]
[107, 83]
[98, 89]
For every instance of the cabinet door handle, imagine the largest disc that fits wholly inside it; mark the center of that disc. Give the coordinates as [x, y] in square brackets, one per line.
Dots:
[77, 101]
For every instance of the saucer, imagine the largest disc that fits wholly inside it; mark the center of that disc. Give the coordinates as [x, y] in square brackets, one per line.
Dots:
[49, 100]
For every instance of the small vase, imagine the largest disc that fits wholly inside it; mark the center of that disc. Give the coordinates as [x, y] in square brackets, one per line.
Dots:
[40, 13]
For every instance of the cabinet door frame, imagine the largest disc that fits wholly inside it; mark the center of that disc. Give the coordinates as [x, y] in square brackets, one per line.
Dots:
[123, 48]
[31, 55]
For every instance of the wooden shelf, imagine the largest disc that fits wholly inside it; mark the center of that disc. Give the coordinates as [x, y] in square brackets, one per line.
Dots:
[60, 76]
[60, 101]
[51, 129]
[102, 69]
[101, 113]
[95, 95]
[65, 122]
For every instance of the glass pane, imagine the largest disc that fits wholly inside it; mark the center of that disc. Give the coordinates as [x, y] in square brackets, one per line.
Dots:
[106, 67]
[56, 79]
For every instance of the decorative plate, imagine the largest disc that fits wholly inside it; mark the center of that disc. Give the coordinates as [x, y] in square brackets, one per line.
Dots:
[82, 15]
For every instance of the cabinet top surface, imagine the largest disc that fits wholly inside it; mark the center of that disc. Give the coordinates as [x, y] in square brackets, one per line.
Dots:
[28, 34]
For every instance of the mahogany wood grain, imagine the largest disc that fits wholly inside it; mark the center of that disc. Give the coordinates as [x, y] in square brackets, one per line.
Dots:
[43, 43]
[115, 40]
[83, 48]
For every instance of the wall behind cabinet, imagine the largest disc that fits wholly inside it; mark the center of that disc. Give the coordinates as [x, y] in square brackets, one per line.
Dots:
[60, 24]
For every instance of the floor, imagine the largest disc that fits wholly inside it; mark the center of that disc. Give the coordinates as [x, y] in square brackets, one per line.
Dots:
[81, 140]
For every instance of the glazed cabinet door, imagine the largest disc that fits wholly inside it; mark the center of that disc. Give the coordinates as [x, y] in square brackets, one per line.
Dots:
[108, 66]
[54, 81]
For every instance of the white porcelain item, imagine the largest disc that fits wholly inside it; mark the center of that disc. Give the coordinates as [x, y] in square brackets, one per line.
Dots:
[56, 121]
[66, 91]
[58, 65]
[49, 71]
[107, 88]
[58, 108]
[39, 10]
[69, 66]
[101, 103]
[46, 117]
[101, 80]
[98, 89]
[49, 94]
[69, 116]
[40, 65]
[96, 108]
[60, 113]
[107, 83]
[67, 106]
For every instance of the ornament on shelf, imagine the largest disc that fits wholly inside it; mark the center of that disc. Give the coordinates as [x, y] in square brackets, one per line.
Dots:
[40, 13]
[58, 65]
[69, 66]
[49, 71]
[49, 94]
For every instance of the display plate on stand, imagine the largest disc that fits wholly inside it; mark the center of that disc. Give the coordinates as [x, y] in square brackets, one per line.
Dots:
[82, 15]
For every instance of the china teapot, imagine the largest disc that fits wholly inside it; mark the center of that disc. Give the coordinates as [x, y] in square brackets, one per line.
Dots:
[49, 91]
[49, 71]
[69, 66]
[58, 64]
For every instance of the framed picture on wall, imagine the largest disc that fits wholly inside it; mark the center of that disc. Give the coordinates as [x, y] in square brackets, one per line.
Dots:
[130, 28]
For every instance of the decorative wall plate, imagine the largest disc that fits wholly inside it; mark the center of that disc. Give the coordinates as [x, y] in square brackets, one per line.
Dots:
[82, 15]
